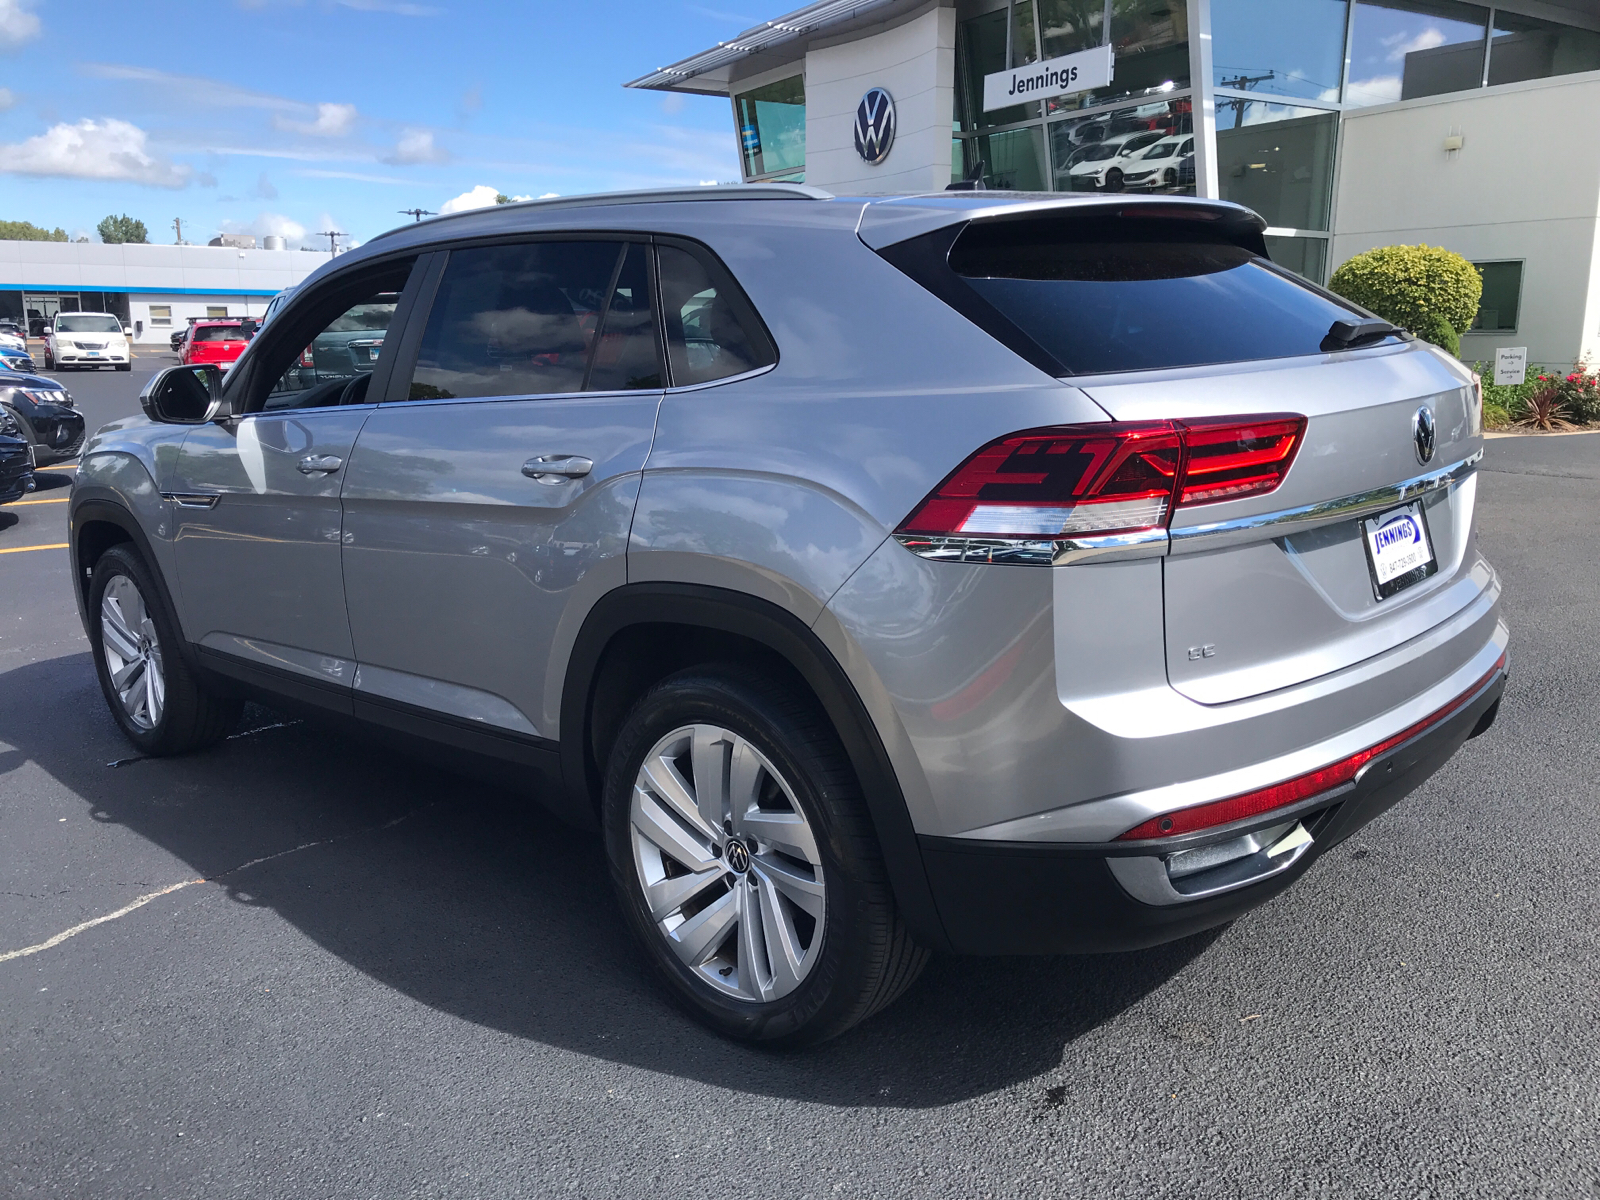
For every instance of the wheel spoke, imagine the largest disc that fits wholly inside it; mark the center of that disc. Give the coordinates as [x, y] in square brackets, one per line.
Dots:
[783, 943]
[709, 755]
[803, 891]
[126, 677]
[744, 782]
[669, 895]
[152, 692]
[786, 830]
[697, 938]
[662, 778]
[755, 980]
[668, 833]
[114, 630]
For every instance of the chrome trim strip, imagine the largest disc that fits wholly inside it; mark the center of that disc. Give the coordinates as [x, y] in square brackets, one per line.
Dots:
[193, 499]
[1034, 552]
[1196, 538]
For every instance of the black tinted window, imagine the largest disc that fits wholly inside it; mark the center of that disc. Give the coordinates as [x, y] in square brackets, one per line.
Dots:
[625, 354]
[515, 320]
[712, 332]
[1125, 295]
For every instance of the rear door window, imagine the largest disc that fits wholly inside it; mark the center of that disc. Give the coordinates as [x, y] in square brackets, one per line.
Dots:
[1100, 294]
[526, 320]
[712, 329]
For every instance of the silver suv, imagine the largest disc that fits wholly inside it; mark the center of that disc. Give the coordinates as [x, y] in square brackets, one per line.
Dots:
[975, 572]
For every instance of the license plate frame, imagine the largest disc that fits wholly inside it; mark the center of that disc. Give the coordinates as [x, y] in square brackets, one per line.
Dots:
[1389, 553]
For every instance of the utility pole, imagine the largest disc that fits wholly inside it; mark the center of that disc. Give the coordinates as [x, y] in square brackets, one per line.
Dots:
[177, 223]
[1244, 83]
[417, 213]
[333, 237]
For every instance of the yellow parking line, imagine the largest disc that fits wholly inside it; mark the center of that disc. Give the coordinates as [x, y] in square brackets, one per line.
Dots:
[52, 500]
[66, 467]
[20, 549]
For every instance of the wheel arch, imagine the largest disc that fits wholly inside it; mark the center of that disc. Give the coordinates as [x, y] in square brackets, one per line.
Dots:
[94, 527]
[640, 633]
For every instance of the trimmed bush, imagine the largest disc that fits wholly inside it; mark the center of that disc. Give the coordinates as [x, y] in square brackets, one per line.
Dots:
[1425, 289]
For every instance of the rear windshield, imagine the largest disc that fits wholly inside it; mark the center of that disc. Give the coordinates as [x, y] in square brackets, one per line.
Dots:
[1109, 294]
[218, 333]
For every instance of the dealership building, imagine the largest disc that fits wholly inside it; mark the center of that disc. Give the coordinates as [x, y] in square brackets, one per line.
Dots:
[154, 289]
[1347, 124]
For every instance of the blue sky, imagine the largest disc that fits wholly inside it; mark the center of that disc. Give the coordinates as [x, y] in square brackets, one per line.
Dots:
[278, 116]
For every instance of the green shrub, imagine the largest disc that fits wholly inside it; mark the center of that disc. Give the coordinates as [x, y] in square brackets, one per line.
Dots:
[1434, 328]
[1421, 288]
[1577, 390]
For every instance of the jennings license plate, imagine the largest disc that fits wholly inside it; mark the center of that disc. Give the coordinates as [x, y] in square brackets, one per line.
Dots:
[1399, 550]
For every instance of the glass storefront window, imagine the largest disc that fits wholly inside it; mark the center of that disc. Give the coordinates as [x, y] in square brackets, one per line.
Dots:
[1277, 159]
[1282, 47]
[1402, 49]
[772, 127]
[980, 51]
[1149, 147]
[1306, 257]
[1068, 26]
[1013, 161]
[1502, 290]
[1528, 48]
[1151, 38]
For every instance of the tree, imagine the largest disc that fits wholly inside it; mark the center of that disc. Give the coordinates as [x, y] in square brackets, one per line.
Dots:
[114, 230]
[501, 198]
[27, 231]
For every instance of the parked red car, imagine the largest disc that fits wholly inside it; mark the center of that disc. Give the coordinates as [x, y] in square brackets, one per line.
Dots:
[219, 341]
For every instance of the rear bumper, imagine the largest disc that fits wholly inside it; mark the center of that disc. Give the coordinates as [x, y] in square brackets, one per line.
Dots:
[1064, 898]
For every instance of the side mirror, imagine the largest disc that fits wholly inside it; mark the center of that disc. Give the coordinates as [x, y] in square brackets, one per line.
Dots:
[183, 395]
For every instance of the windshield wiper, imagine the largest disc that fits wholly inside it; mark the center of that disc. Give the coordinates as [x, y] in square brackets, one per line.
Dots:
[1348, 334]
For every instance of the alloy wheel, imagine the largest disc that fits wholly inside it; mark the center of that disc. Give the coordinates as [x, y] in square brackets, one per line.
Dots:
[133, 653]
[728, 863]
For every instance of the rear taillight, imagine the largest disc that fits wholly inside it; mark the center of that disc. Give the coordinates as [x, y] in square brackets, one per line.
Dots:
[1087, 480]
[305, 358]
[1301, 787]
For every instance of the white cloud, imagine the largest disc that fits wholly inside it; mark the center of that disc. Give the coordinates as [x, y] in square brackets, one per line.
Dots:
[332, 120]
[481, 196]
[1380, 89]
[265, 189]
[268, 223]
[194, 90]
[91, 149]
[17, 24]
[1400, 46]
[7, 98]
[550, 196]
[415, 146]
[358, 176]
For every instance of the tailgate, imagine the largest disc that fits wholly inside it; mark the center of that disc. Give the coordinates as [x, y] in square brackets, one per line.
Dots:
[1273, 590]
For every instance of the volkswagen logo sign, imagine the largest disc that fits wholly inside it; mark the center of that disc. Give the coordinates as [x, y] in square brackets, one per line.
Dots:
[875, 126]
[1422, 432]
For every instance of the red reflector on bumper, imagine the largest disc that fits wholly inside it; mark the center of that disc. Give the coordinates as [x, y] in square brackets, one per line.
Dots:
[1302, 787]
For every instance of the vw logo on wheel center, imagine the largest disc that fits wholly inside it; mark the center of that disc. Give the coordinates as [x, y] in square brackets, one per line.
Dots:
[738, 856]
[875, 126]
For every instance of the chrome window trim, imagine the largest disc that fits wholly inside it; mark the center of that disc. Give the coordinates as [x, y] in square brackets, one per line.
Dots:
[1193, 539]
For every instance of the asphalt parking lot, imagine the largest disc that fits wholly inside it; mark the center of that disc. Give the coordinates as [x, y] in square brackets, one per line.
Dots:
[356, 976]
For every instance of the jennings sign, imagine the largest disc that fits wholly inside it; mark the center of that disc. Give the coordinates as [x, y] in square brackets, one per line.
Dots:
[1054, 77]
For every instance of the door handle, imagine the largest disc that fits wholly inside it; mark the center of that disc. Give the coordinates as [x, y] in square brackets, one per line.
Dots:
[553, 468]
[320, 464]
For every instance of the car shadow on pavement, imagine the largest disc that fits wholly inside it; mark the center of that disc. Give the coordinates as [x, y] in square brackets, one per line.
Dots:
[471, 900]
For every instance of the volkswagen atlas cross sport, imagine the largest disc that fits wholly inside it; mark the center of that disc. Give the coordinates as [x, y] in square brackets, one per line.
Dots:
[976, 572]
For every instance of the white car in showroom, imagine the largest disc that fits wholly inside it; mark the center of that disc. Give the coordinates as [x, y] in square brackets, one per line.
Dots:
[86, 339]
[1157, 165]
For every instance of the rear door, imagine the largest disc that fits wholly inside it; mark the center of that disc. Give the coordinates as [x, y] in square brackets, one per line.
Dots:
[488, 504]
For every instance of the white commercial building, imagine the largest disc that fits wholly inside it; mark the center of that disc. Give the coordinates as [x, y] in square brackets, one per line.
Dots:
[1347, 124]
[154, 289]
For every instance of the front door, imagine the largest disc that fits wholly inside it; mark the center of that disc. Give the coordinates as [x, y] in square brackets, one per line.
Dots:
[256, 498]
[489, 509]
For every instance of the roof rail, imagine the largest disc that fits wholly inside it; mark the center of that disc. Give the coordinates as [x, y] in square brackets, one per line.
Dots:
[735, 191]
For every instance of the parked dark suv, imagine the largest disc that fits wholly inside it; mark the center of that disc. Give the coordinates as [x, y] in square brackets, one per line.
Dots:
[973, 572]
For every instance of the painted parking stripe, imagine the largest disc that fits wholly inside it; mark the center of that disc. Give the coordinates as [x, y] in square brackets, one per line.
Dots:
[24, 549]
[64, 467]
[51, 500]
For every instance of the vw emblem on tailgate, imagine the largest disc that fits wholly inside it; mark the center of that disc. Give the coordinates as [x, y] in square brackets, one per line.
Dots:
[1422, 432]
[874, 126]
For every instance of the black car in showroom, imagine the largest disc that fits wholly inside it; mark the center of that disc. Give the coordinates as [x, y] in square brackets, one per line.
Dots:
[45, 415]
[16, 460]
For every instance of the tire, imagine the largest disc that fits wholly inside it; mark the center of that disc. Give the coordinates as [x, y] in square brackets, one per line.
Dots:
[1114, 180]
[824, 947]
[49, 360]
[152, 695]
[124, 366]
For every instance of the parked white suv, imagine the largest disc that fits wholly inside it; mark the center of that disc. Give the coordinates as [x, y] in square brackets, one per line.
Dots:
[84, 339]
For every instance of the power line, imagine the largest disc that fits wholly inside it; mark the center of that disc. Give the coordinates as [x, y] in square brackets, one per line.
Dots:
[1243, 83]
[333, 237]
[417, 213]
